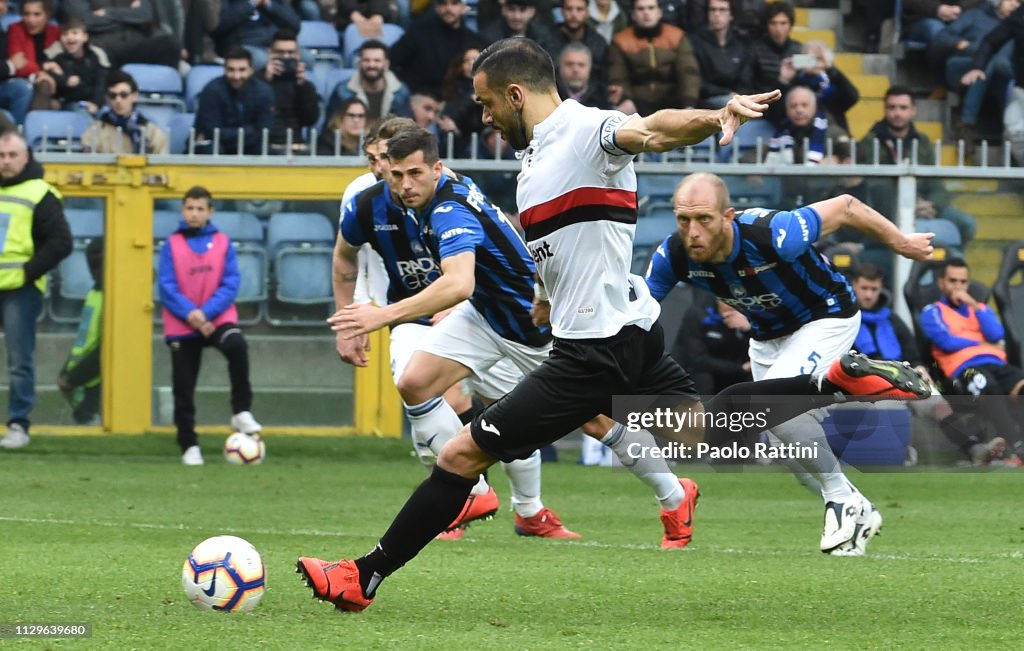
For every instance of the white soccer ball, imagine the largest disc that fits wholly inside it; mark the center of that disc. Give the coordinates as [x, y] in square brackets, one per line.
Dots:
[244, 449]
[224, 573]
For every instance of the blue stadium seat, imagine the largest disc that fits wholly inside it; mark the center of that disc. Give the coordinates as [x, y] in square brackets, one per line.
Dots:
[165, 222]
[179, 129]
[196, 81]
[158, 85]
[298, 230]
[353, 39]
[656, 187]
[945, 231]
[73, 278]
[55, 130]
[85, 223]
[302, 247]
[320, 38]
[766, 192]
[239, 226]
[873, 435]
[328, 81]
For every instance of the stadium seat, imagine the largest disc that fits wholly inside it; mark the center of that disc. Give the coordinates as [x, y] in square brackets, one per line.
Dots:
[253, 267]
[843, 258]
[239, 226]
[165, 222]
[179, 129]
[656, 187]
[298, 229]
[353, 39]
[327, 82]
[745, 192]
[73, 280]
[320, 38]
[1009, 294]
[158, 85]
[876, 435]
[946, 232]
[196, 81]
[55, 130]
[302, 247]
[85, 223]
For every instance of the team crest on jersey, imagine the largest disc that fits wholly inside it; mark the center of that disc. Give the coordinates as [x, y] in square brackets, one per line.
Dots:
[737, 291]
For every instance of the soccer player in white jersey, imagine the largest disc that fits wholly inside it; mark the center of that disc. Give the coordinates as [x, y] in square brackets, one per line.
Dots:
[577, 200]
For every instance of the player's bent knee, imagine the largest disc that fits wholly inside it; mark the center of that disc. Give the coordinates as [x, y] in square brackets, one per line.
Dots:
[597, 427]
[415, 389]
[462, 456]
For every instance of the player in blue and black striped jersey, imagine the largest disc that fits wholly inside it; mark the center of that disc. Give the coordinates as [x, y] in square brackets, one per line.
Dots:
[802, 311]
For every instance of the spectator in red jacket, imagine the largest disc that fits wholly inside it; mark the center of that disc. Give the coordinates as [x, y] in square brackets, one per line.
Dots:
[28, 39]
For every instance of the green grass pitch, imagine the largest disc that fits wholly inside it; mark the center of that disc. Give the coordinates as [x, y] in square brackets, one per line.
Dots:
[96, 529]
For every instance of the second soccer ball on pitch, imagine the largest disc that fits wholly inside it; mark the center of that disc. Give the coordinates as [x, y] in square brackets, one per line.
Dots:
[244, 449]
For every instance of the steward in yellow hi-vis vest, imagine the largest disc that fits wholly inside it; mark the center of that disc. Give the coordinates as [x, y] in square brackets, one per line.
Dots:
[34, 238]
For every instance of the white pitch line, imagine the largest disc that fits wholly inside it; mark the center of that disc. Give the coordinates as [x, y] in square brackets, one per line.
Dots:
[584, 543]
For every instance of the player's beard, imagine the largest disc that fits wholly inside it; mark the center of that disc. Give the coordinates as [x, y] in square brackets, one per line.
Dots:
[515, 134]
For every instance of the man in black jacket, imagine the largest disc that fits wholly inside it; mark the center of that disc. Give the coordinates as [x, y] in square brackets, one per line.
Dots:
[421, 57]
[252, 24]
[296, 103]
[36, 240]
[231, 103]
[712, 343]
[722, 56]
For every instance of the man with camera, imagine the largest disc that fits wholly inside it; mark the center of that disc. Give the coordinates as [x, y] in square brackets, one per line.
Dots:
[296, 103]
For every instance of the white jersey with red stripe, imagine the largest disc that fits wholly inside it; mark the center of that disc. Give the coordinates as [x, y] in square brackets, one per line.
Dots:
[578, 207]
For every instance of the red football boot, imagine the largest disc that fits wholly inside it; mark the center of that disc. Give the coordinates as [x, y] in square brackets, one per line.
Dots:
[679, 523]
[336, 582]
[546, 524]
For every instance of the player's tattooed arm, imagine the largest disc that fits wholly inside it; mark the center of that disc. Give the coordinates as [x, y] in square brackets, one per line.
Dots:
[847, 210]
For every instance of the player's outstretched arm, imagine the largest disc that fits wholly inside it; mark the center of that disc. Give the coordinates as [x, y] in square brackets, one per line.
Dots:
[344, 272]
[456, 284]
[671, 128]
[847, 210]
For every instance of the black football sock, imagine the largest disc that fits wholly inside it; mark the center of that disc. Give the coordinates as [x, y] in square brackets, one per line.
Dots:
[956, 430]
[427, 512]
[475, 408]
[769, 403]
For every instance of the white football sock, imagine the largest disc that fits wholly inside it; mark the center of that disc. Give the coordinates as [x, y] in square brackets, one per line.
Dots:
[806, 430]
[653, 472]
[433, 424]
[524, 480]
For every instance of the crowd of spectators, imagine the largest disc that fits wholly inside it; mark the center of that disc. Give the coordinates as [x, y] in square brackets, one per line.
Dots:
[635, 56]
